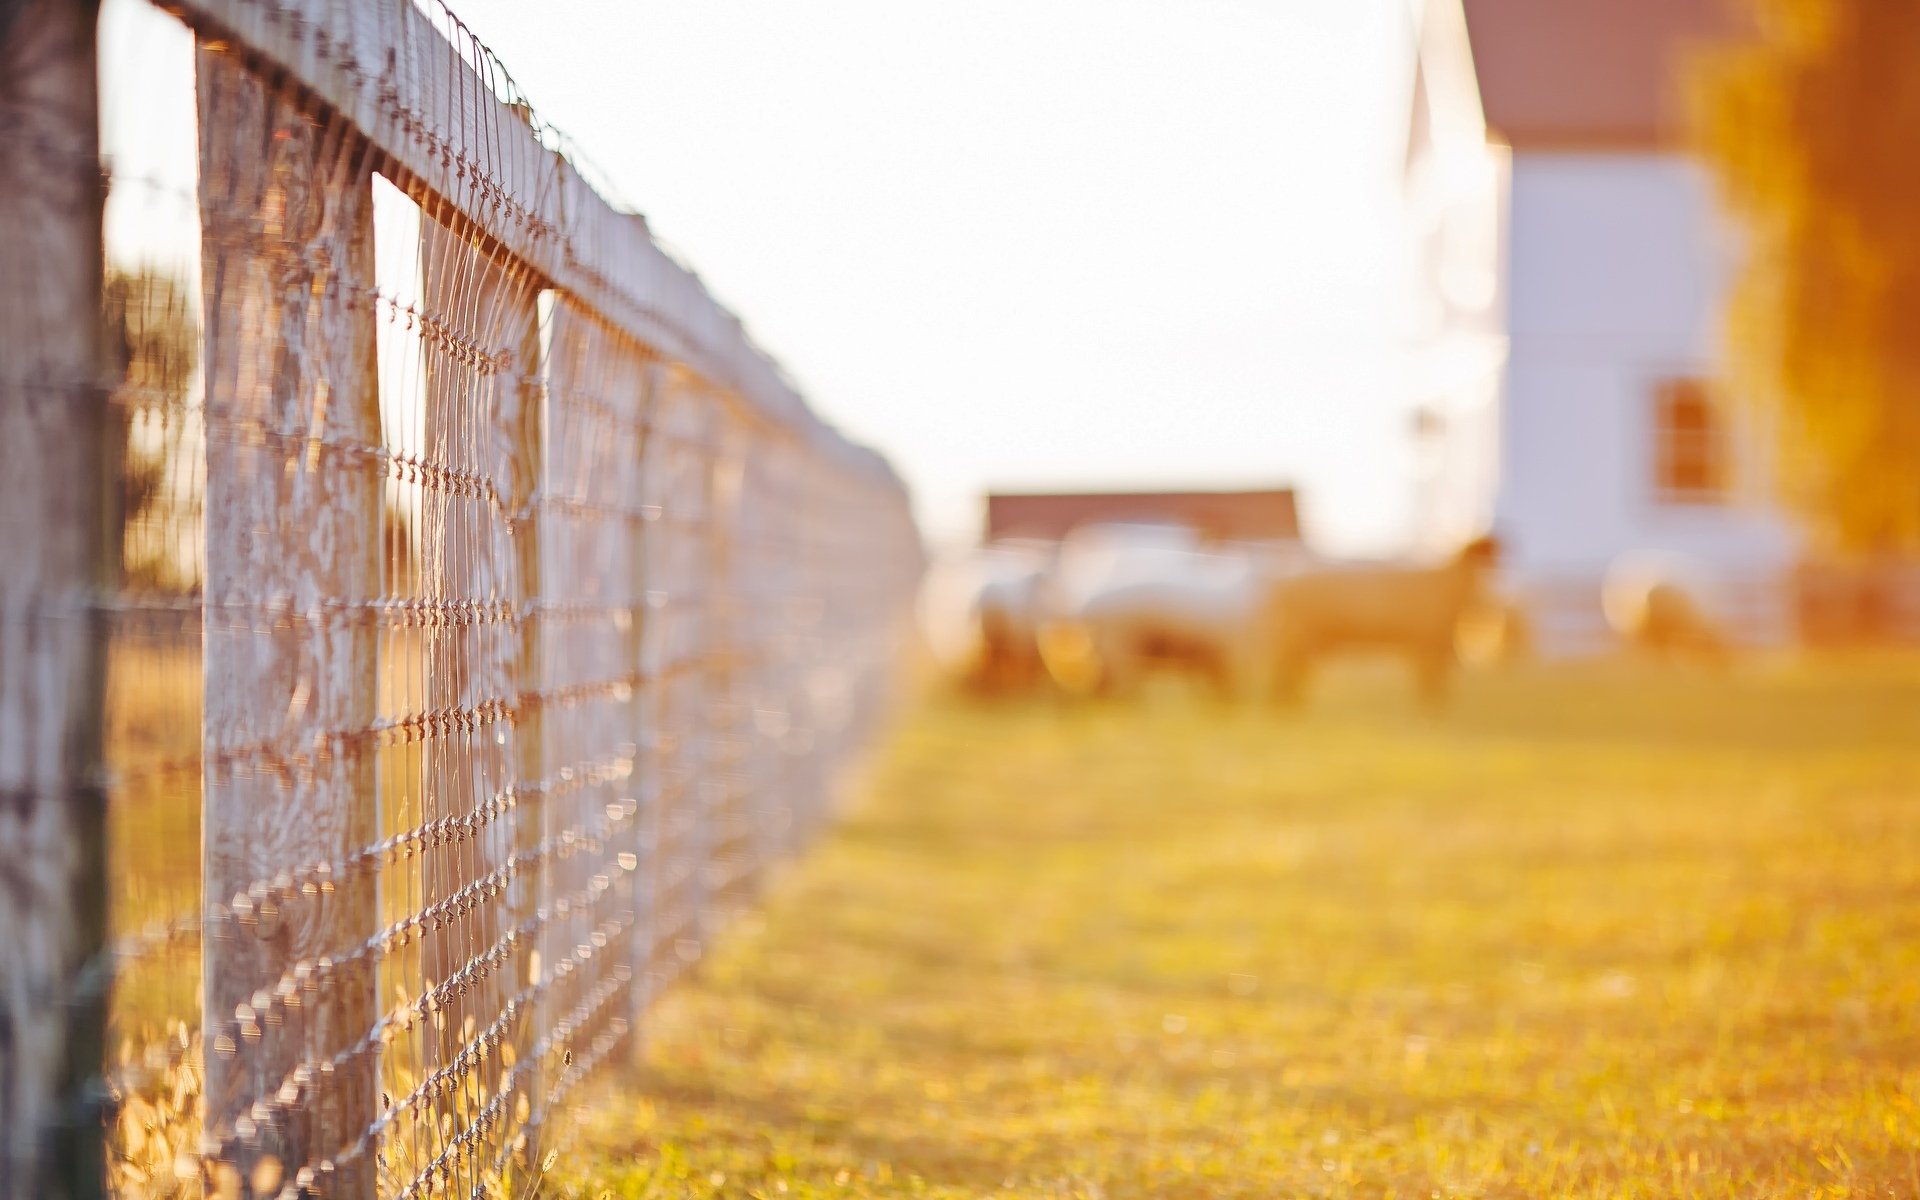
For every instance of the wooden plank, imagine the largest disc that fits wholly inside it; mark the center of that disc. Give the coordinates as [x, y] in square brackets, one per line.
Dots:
[647, 786]
[60, 547]
[293, 530]
[728, 849]
[674, 476]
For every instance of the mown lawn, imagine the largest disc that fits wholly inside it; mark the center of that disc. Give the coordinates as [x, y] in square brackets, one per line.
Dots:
[1605, 932]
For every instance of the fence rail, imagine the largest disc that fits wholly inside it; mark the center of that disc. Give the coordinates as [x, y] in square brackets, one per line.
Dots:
[428, 614]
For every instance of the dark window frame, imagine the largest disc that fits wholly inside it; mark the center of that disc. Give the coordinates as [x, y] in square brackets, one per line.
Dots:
[1692, 454]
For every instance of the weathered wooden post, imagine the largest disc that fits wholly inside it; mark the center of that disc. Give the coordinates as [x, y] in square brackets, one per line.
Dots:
[58, 469]
[677, 480]
[659, 774]
[730, 845]
[293, 564]
[641, 731]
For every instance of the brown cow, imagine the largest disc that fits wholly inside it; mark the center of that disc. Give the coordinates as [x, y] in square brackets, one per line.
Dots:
[1414, 611]
[1659, 604]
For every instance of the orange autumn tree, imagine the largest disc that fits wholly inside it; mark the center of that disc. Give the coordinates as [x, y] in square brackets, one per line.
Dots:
[1813, 131]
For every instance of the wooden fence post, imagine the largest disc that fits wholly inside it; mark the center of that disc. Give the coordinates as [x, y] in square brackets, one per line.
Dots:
[676, 478]
[293, 561]
[641, 731]
[61, 547]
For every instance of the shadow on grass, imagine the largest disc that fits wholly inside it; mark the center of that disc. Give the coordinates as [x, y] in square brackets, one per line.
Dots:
[1770, 703]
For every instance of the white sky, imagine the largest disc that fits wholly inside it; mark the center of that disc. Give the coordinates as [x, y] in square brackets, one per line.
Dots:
[1022, 243]
[1037, 243]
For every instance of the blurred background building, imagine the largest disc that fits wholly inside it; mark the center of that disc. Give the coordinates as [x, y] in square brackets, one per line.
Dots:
[1571, 270]
[1256, 516]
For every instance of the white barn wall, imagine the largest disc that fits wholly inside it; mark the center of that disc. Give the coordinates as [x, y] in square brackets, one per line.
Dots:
[1617, 270]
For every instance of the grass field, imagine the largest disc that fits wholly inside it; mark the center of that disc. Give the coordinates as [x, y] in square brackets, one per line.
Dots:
[1607, 932]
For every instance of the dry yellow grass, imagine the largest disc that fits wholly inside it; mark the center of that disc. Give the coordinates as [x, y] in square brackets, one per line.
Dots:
[1597, 933]
[153, 1045]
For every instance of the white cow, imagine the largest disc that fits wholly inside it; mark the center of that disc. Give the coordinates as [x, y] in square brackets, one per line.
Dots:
[980, 610]
[1124, 600]
[1668, 605]
[1413, 610]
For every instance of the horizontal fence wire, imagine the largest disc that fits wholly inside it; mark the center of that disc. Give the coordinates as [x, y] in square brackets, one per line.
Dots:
[482, 615]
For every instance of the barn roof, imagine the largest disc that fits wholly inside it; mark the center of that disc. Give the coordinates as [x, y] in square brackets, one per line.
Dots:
[1270, 514]
[1565, 74]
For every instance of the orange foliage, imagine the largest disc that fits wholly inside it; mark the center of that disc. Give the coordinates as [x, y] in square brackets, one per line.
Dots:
[1809, 129]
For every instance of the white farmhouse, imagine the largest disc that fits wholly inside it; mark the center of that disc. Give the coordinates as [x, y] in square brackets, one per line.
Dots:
[1570, 271]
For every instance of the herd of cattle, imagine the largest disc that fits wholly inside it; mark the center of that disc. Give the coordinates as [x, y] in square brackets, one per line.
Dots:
[1100, 611]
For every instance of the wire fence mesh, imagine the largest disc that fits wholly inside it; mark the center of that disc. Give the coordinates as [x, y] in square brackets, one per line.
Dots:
[474, 613]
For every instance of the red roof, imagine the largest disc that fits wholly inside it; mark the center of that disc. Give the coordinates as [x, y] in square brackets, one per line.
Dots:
[1259, 515]
[1589, 73]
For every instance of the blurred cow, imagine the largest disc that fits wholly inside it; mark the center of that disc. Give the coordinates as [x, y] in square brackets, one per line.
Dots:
[1126, 600]
[1410, 610]
[981, 610]
[1666, 605]
[1497, 630]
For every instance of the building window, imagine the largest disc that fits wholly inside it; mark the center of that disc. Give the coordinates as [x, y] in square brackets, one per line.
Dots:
[1690, 444]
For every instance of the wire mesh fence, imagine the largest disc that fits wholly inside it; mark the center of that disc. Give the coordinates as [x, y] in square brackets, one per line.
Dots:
[429, 616]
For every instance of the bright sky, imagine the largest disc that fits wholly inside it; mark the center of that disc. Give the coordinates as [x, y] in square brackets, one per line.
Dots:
[1016, 243]
[1032, 243]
